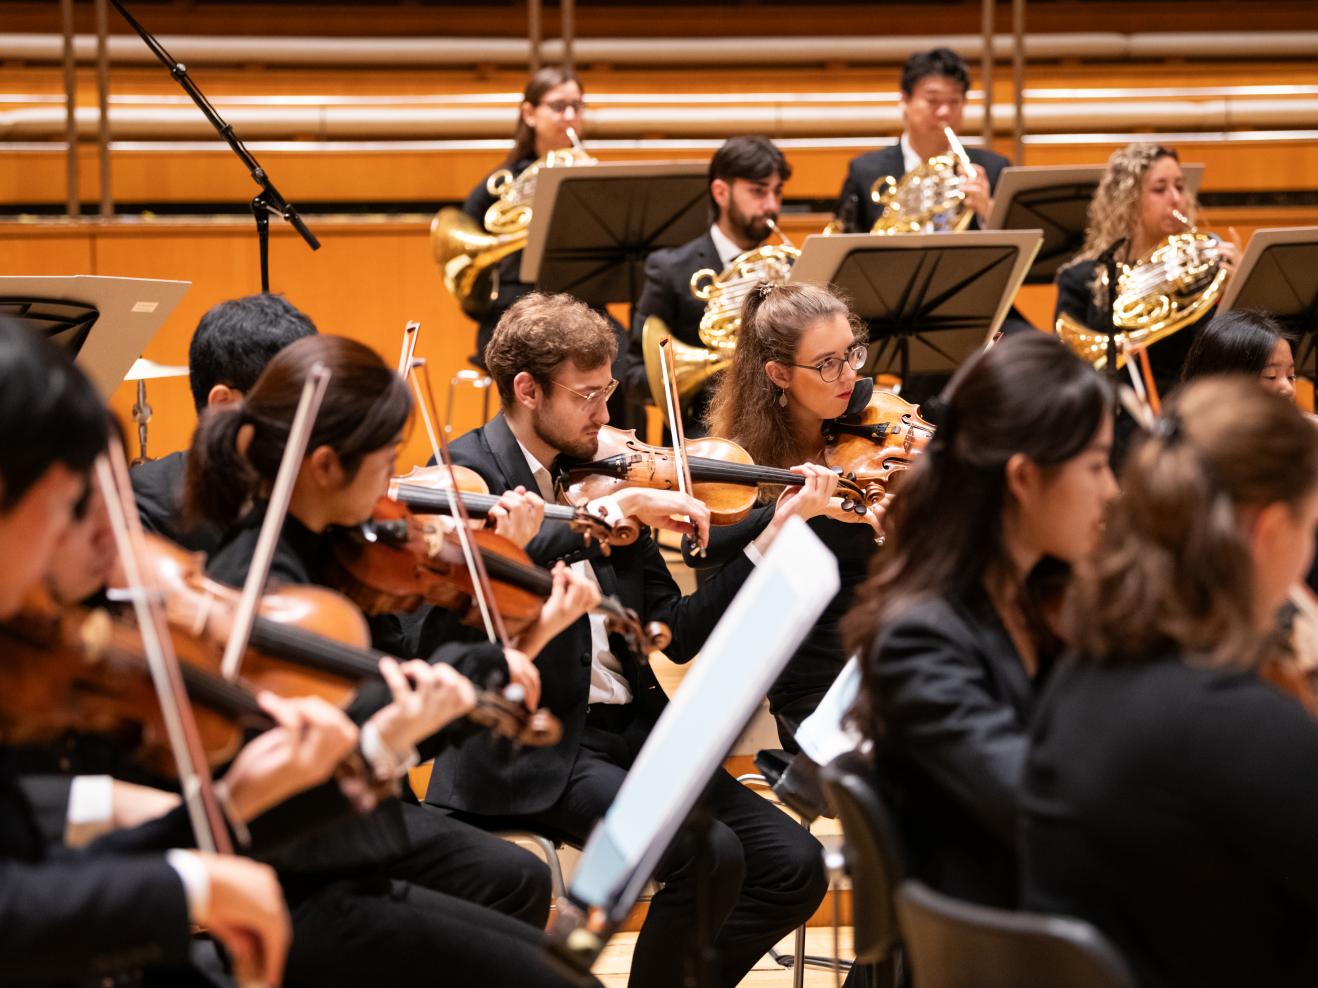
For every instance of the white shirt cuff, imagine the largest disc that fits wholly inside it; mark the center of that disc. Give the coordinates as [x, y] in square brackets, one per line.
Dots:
[91, 809]
[605, 508]
[196, 882]
[385, 763]
[753, 554]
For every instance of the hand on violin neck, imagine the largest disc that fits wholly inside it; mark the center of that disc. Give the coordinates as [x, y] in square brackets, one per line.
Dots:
[425, 698]
[571, 597]
[518, 515]
[312, 739]
[671, 510]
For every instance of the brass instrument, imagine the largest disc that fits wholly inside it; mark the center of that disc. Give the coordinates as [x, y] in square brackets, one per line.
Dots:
[723, 294]
[927, 199]
[1169, 288]
[466, 252]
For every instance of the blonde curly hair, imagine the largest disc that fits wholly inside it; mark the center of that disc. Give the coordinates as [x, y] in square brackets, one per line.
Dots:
[1114, 211]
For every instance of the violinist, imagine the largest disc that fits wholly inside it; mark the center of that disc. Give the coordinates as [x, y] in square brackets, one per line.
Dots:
[550, 358]
[796, 368]
[230, 347]
[955, 626]
[1243, 342]
[1167, 795]
[121, 904]
[420, 887]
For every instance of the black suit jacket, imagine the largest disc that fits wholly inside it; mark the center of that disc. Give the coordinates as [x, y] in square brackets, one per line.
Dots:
[861, 212]
[476, 777]
[953, 703]
[81, 915]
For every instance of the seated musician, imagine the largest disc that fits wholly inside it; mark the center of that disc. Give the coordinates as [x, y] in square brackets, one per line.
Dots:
[230, 347]
[122, 904]
[955, 626]
[1137, 202]
[795, 369]
[933, 96]
[746, 178]
[1166, 795]
[552, 104]
[1243, 342]
[550, 357]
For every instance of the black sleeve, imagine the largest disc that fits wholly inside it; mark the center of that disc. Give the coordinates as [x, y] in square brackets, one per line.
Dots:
[690, 618]
[86, 917]
[851, 203]
[48, 795]
[1075, 295]
[656, 299]
[477, 202]
[935, 703]
[726, 542]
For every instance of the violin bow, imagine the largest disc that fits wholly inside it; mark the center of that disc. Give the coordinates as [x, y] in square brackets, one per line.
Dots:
[145, 595]
[313, 393]
[410, 332]
[436, 431]
[680, 459]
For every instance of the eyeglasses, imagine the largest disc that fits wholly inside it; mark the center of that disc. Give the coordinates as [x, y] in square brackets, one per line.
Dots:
[830, 368]
[597, 397]
[561, 106]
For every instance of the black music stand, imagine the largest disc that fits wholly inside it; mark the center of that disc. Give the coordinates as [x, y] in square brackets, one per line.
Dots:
[1278, 274]
[744, 654]
[592, 228]
[1056, 201]
[105, 322]
[931, 299]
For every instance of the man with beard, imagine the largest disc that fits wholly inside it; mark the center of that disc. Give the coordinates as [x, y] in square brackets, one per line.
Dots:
[746, 177]
[550, 357]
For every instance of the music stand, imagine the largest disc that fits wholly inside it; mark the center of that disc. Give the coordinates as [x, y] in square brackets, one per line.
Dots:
[1278, 274]
[592, 228]
[931, 299]
[106, 323]
[756, 637]
[1056, 201]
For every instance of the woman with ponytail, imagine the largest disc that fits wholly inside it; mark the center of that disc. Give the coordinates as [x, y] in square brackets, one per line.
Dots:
[1169, 795]
[454, 898]
[794, 370]
[955, 625]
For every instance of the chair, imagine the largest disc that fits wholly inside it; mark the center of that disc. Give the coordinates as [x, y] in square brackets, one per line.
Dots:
[957, 944]
[873, 856]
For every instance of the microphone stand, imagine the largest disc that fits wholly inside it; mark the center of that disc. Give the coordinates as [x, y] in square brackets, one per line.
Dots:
[266, 202]
[1108, 259]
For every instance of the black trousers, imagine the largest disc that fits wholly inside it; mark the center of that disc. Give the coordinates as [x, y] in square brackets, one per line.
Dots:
[765, 873]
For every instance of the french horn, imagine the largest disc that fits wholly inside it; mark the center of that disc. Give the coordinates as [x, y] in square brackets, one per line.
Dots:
[927, 199]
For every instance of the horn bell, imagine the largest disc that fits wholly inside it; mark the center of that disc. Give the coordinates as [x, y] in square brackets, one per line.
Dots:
[694, 364]
[466, 256]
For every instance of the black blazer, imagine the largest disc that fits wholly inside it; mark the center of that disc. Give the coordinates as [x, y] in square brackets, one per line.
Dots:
[1174, 807]
[953, 705]
[476, 776]
[81, 915]
[158, 489]
[854, 203]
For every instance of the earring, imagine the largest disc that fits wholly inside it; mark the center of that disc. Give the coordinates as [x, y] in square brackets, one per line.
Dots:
[782, 397]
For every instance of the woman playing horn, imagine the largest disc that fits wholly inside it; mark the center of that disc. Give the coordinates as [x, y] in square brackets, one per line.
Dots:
[549, 116]
[1142, 198]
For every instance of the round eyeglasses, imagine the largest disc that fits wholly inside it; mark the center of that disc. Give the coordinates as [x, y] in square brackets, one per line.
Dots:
[830, 368]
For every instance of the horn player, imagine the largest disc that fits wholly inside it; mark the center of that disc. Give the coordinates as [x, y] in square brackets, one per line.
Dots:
[746, 178]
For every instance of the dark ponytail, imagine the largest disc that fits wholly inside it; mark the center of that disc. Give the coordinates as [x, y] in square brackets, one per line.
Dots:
[365, 406]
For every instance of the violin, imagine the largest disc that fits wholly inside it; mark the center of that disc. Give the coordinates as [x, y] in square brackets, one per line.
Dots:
[311, 641]
[419, 490]
[77, 669]
[878, 442]
[398, 560]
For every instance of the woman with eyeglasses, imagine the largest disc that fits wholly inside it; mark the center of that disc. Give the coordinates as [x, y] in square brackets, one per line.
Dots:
[794, 369]
[551, 107]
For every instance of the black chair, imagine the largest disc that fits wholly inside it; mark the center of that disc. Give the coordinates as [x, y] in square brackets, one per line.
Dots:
[874, 858]
[955, 944]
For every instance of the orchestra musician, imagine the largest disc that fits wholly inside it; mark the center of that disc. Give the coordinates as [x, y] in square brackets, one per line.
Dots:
[794, 369]
[1136, 203]
[552, 104]
[230, 347]
[1166, 796]
[550, 358]
[956, 626]
[746, 179]
[1243, 342]
[933, 96]
[427, 891]
[126, 902]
